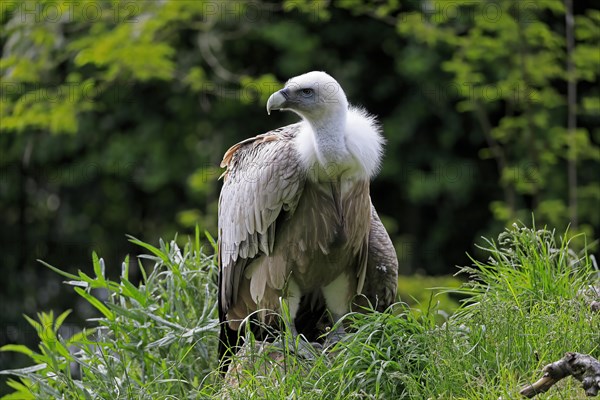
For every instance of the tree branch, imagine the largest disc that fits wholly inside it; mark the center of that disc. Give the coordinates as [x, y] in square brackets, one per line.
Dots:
[582, 367]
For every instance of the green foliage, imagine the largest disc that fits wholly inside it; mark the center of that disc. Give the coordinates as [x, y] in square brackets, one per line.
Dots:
[114, 116]
[541, 269]
[506, 59]
[524, 308]
[150, 339]
[430, 294]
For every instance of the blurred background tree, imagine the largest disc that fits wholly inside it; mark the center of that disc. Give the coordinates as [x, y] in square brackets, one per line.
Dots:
[114, 116]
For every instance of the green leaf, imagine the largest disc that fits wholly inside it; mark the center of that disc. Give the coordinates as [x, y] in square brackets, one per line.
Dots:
[60, 319]
[18, 348]
[58, 271]
[35, 324]
[152, 249]
[125, 268]
[27, 370]
[98, 266]
[212, 240]
[22, 391]
[130, 290]
[96, 303]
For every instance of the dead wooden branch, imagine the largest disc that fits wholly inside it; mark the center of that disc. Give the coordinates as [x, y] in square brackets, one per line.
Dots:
[582, 367]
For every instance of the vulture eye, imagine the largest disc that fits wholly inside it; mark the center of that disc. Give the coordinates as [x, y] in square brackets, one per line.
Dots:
[307, 92]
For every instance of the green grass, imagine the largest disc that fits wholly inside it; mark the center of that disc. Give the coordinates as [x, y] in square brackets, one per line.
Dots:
[426, 294]
[157, 340]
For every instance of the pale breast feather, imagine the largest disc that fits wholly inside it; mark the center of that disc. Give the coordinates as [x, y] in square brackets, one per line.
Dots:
[263, 177]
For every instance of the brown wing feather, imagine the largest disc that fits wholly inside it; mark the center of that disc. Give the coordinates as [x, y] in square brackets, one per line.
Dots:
[381, 280]
[263, 177]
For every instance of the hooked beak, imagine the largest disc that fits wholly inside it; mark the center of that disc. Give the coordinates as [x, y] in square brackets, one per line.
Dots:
[277, 100]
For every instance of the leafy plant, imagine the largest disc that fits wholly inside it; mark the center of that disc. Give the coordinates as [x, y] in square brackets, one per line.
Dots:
[523, 309]
[149, 339]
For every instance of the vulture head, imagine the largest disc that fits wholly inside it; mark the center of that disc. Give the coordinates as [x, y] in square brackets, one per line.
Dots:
[312, 96]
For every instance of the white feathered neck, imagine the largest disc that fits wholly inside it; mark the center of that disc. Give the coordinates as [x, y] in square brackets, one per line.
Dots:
[348, 145]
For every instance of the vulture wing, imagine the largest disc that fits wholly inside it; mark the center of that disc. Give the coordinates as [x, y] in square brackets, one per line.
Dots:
[263, 181]
[381, 281]
[263, 178]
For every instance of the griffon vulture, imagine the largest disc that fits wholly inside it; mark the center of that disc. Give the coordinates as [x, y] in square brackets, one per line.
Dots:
[295, 215]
